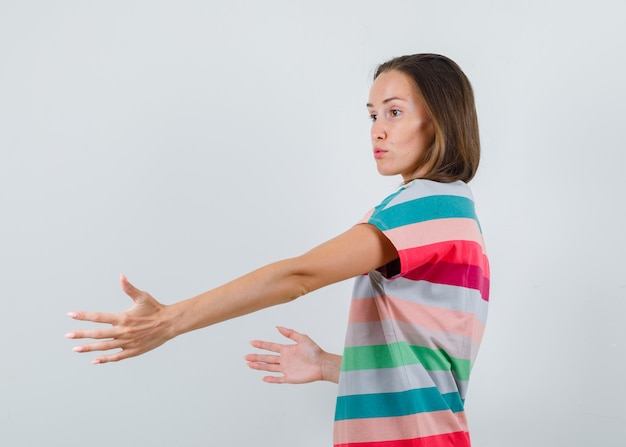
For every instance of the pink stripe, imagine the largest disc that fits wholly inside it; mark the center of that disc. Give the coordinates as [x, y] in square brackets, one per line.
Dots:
[435, 231]
[365, 310]
[414, 426]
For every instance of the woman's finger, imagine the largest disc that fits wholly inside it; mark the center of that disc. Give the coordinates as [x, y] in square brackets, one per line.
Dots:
[267, 346]
[269, 367]
[274, 379]
[133, 292]
[102, 346]
[263, 358]
[124, 354]
[96, 317]
[96, 334]
[291, 334]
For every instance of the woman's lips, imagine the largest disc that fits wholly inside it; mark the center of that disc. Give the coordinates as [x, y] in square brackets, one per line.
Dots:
[379, 153]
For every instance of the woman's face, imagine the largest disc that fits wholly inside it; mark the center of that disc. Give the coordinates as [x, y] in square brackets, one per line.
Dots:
[401, 127]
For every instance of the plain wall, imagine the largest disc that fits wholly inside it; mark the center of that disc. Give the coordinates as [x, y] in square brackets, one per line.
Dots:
[185, 143]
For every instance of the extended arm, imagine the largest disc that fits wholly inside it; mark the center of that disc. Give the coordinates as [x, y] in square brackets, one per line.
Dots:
[148, 323]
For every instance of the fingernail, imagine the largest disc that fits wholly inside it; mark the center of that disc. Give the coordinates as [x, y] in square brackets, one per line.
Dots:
[78, 349]
[72, 314]
[95, 362]
[70, 335]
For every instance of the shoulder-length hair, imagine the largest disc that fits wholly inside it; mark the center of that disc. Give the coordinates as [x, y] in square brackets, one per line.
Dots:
[449, 99]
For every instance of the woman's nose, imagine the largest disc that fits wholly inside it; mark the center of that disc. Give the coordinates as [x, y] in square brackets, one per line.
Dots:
[378, 131]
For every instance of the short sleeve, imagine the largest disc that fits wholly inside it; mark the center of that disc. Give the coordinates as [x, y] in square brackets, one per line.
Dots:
[424, 223]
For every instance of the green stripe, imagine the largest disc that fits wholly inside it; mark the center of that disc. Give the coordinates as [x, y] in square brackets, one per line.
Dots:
[401, 354]
[423, 209]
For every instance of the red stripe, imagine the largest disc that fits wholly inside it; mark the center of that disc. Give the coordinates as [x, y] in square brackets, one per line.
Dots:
[454, 252]
[457, 439]
[462, 275]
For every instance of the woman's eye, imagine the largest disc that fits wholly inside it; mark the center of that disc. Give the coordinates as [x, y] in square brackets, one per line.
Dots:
[373, 117]
[395, 112]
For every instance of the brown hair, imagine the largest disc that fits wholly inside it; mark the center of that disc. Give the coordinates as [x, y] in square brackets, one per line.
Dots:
[449, 99]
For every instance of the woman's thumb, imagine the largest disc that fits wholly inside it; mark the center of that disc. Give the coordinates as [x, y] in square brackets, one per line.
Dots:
[129, 289]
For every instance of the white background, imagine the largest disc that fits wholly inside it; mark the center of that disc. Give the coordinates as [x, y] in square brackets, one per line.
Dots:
[184, 143]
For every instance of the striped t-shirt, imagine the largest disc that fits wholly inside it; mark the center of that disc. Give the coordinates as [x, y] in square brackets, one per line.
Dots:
[416, 324]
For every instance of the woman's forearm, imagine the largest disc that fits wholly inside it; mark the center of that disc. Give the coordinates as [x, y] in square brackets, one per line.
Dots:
[273, 284]
[276, 283]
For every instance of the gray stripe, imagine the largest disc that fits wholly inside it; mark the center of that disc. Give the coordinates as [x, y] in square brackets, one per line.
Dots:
[426, 188]
[394, 380]
[443, 296]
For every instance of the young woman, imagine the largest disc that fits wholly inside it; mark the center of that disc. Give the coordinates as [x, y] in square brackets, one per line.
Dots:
[422, 277]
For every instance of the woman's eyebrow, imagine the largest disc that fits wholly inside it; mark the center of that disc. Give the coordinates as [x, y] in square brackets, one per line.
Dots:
[393, 98]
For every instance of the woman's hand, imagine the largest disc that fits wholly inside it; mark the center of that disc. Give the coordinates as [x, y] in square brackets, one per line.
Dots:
[140, 329]
[302, 362]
